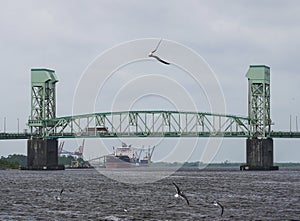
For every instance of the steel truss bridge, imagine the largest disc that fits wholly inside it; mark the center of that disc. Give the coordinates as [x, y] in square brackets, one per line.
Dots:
[46, 128]
[146, 124]
[44, 124]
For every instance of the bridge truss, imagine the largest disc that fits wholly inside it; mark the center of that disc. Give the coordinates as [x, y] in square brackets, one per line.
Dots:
[146, 124]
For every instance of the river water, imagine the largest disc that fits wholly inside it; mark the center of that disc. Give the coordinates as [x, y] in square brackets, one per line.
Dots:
[89, 195]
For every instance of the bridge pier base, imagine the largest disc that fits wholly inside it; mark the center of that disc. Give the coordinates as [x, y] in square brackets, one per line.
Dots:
[259, 154]
[42, 154]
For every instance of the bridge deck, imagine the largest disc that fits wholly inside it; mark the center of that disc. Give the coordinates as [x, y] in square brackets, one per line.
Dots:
[284, 134]
[14, 136]
[274, 134]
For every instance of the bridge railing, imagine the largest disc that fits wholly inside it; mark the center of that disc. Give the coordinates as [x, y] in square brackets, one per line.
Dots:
[285, 134]
[14, 136]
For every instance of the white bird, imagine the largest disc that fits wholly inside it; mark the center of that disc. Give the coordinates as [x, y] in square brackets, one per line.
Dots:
[217, 203]
[58, 198]
[155, 56]
[180, 193]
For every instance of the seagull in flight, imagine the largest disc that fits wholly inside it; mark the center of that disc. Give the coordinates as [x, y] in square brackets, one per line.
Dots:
[180, 193]
[217, 203]
[58, 198]
[156, 57]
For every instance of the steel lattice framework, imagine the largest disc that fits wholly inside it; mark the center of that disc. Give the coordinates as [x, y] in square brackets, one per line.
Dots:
[147, 124]
[259, 100]
[43, 99]
[44, 124]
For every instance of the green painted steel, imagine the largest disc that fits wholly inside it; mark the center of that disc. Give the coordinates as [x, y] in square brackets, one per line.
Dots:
[43, 122]
[147, 124]
[259, 100]
[14, 136]
[273, 134]
[284, 134]
[40, 76]
[43, 99]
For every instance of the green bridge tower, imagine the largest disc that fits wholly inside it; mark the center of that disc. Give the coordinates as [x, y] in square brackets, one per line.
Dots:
[42, 153]
[259, 146]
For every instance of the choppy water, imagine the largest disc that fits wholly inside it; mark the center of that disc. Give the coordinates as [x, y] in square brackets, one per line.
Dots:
[88, 195]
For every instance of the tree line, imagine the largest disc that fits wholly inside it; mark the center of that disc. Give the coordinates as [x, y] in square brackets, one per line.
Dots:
[13, 161]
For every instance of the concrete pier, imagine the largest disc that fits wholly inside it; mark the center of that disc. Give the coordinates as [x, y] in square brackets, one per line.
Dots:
[42, 154]
[259, 154]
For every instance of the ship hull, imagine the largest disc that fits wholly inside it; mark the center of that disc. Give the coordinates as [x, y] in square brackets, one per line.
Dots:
[115, 162]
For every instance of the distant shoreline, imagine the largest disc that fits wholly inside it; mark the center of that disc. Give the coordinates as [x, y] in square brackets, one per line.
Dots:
[16, 161]
[199, 164]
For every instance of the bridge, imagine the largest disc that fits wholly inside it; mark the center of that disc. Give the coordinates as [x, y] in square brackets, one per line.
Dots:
[146, 124]
[46, 128]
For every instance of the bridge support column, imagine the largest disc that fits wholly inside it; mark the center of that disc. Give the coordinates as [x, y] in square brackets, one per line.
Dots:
[259, 154]
[42, 154]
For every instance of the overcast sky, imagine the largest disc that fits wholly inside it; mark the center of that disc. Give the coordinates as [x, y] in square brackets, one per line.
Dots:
[230, 35]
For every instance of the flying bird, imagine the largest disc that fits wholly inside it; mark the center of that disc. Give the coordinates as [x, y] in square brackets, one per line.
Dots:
[180, 193]
[159, 59]
[58, 198]
[217, 203]
[156, 57]
[156, 46]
